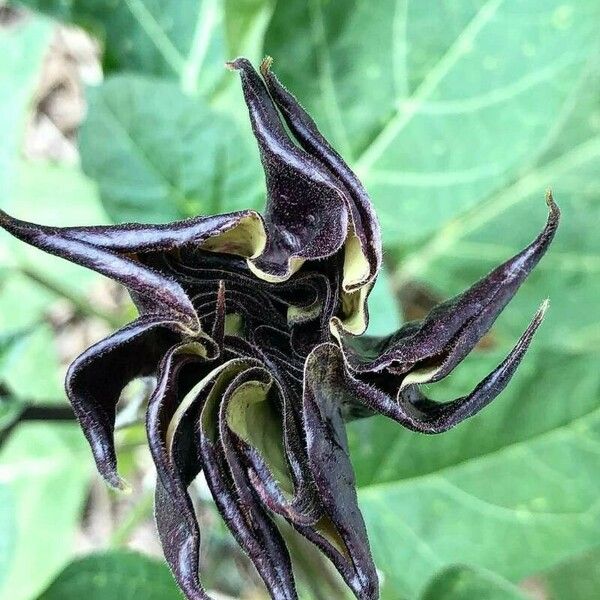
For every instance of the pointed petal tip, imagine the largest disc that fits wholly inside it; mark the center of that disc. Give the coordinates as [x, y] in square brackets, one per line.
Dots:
[265, 65]
[537, 320]
[239, 64]
[8, 222]
[552, 206]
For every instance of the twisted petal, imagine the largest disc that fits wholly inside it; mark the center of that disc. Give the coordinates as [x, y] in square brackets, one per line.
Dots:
[257, 420]
[170, 423]
[362, 259]
[306, 213]
[238, 504]
[342, 533]
[111, 250]
[95, 380]
[429, 350]
[410, 407]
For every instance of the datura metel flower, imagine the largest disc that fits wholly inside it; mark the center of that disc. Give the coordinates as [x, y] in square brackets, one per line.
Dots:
[250, 324]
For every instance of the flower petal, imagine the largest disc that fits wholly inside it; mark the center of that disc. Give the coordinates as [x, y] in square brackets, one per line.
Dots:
[96, 378]
[180, 541]
[258, 422]
[171, 418]
[306, 213]
[363, 248]
[167, 418]
[238, 505]
[344, 528]
[409, 406]
[110, 251]
[429, 350]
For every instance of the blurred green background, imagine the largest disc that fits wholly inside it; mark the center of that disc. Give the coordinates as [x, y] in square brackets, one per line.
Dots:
[457, 115]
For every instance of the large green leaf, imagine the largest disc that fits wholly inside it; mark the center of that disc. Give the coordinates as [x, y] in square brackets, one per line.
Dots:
[464, 583]
[187, 40]
[158, 155]
[514, 490]
[436, 104]
[52, 195]
[7, 528]
[44, 471]
[118, 574]
[423, 490]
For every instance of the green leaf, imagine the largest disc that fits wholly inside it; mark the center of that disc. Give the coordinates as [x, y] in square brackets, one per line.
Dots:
[464, 583]
[118, 574]
[158, 155]
[38, 464]
[32, 368]
[384, 313]
[436, 104]
[512, 490]
[29, 366]
[245, 25]
[461, 251]
[187, 40]
[22, 47]
[7, 529]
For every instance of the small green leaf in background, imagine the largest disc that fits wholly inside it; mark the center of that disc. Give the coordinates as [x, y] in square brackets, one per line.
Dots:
[44, 473]
[183, 40]
[8, 536]
[464, 583]
[153, 164]
[29, 367]
[118, 574]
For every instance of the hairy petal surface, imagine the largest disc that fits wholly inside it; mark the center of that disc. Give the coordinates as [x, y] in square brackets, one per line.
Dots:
[409, 406]
[240, 507]
[306, 214]
[110, 251]
[329, 458]
[360, 267]
[95, 380]
[429, 350]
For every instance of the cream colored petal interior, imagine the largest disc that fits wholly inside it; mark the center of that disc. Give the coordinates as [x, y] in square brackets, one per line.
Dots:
[294, 265]
[222, 375]
[246, 238]
[192, 348]
[353, 315]
[301, 314]
[356, 266]
[420, 376]
[251, 415]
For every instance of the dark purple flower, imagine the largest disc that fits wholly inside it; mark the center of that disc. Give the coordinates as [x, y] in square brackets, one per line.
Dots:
[250, 324]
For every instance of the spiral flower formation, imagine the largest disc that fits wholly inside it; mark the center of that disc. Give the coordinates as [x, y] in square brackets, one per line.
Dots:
[251, 325]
